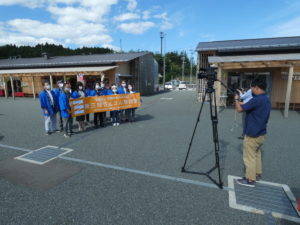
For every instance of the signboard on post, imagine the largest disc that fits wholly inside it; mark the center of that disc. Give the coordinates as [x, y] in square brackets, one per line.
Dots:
[104, 103]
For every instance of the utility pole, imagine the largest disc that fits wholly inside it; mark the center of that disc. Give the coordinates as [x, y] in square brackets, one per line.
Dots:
[161, 43]
[163, 55]
[191, 64]
[121, 50]
[182, 58]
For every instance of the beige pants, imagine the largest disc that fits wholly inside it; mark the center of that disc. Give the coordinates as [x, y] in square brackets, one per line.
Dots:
[252, 156]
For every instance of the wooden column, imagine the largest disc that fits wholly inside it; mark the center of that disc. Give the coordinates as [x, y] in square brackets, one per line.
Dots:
[12, 87]
[288, 91]
[5, 88]
[218, 86]
[65, 79]
[33, 87]
[51, 81]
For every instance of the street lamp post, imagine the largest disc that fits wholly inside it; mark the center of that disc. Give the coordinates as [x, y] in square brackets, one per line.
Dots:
[182, 58]
[163, 54]
[191, 65]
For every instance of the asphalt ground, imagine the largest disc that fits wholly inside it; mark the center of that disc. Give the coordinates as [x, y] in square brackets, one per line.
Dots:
[155, 144]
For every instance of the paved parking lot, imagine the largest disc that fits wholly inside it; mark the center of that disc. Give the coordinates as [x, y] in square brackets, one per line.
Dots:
[131, 174]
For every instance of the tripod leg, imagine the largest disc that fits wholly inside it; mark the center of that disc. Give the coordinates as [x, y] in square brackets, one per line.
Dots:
[195, 128]
[214, 119]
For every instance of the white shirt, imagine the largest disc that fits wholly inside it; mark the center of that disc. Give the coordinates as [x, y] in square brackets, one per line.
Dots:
[51, 97]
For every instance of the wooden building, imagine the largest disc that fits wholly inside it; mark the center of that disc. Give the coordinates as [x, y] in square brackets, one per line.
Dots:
[24, 76]
[238, 62]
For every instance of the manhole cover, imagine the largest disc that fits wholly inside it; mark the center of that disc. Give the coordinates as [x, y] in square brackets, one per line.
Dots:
[266, 197]
[43, 155]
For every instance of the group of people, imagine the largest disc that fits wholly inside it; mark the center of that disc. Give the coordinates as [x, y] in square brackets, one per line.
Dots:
[55, 104]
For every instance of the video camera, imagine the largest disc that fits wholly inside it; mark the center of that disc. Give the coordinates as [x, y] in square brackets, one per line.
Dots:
[208, 73]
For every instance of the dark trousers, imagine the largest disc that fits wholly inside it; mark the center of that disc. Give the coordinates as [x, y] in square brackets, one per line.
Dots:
[99, 116]
[87, 117]
[68, 124]
[60, 119]
[115, 116]
[131, 114]
[127, 112]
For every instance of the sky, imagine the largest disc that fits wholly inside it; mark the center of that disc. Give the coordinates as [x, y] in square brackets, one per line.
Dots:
[136, 24]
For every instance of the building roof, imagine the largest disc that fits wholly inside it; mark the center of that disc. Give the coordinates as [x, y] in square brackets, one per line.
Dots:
[262, 43]
[67, 61]
[58, 70]
[254, 58]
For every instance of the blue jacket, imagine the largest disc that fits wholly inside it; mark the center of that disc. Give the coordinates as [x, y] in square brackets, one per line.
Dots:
[64, 105]
[46, 104]
[98, 93]
[87, 92]
[57, 92]
[110, 92]
[75, 94]
[120, 90]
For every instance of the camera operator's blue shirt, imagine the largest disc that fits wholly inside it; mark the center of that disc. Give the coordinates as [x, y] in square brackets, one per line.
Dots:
[257, 115]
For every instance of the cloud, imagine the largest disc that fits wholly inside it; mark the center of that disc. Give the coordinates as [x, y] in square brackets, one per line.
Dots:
[136, 28]
[79, 22]
[146, 14]
[289, 28]
[132, 4]
[26, 3]
[165, 21]
[113, 47]
[85, 33]
[127, 16]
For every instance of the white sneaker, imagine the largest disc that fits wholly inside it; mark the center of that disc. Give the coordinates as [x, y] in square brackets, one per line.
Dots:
[114, 124]
[118, 124]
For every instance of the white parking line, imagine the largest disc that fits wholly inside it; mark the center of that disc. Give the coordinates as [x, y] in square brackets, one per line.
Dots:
[15, 148]
[166, 98]
[145, 173]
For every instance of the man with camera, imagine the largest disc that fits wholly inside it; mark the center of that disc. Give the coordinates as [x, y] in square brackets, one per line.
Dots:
[257, 115]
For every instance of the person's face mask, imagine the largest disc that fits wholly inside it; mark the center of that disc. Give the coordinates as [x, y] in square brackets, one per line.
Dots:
[80, 87]
[114, 90]
[123, 84]
[102, 85]
[60, 85]
[48, 87]
[97, 87]
[67, 89]
[129, 88]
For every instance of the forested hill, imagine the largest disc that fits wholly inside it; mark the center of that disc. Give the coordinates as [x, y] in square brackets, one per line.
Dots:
[8, 51]
[173, 59]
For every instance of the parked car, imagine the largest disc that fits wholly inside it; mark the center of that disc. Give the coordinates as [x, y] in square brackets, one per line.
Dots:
[182, 85]
[175, 83]
[169, 85]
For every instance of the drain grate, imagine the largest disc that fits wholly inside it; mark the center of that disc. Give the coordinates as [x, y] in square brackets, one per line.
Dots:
[43, 155]
[266, 197]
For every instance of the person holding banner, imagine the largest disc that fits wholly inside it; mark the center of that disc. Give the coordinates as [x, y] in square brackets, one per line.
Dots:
[87, 92]
[66, 110]
[98, 91]
[57, 91]
[123, 90]
[131, 112]
[49, 107]
[79, 93]
[116, 113]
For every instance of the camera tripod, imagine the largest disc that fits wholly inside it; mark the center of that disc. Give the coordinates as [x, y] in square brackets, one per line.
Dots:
[210, 92]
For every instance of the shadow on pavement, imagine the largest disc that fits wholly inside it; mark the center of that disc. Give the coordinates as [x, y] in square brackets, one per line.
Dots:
[197, 161]
[144, 117]
[223, 153]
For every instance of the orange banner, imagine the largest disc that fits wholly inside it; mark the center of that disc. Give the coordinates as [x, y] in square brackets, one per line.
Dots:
[82, 106]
